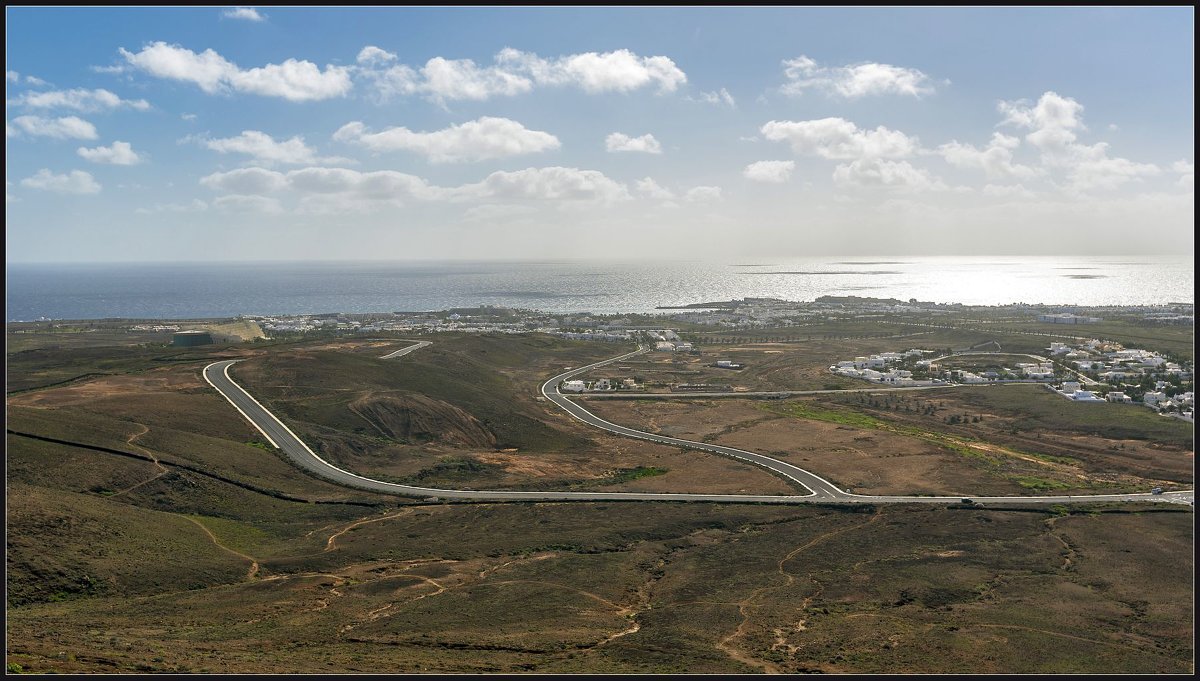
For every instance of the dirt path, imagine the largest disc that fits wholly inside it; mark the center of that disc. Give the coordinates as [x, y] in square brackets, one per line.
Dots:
[162, 470]
[726, 644]
[330, 544]
[254, 566]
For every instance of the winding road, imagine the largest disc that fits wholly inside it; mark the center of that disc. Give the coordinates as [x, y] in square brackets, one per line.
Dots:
[819, 489]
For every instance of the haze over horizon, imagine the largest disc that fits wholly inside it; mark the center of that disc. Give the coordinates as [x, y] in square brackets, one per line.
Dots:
[241, 134]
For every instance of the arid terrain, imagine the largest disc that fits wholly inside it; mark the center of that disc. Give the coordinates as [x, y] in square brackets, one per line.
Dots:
[151, 528]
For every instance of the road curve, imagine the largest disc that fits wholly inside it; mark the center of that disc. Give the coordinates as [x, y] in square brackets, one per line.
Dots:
[819, 490]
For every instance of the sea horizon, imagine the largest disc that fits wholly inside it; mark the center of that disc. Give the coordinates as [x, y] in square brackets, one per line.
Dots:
[198, 289]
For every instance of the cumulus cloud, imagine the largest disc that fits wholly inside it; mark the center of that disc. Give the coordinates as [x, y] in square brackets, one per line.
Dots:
[351, 188]
[594, 72]
[621, 142]
[246, 181]
[703, 194]
[78, 99]
[15, 77]
[481, 139]
[262, 148]
[996, 160]
[74, 182]
[838, 138]
[1108, 173]
[547, 184]
[244, 13]
[447, 79]
[293, 80]
[1054, 122]
[117, 153]
[650, 189]
[879, 173]
[769, 171]
[69, 127]
[514, 72]
[374, 56]
[717, 97]
[853, 81]
[1187, 173]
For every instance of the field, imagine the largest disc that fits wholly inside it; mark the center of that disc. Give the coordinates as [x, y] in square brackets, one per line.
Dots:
[150, 528]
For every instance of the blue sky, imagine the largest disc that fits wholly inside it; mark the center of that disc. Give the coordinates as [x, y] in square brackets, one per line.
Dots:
[140, 134]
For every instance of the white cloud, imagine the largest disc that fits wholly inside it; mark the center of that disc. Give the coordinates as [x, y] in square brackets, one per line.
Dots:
[69, 127]
[514, 72]
[1054, 121]
[236, 203]
[1187, 173]
[651, 189]
[74, 182]
[374, 56]
[621, 142]
[481, 139]
[264, 149]
[769, 171]
[448, 79]
[718, 97]
[188, 116]
[293, 80]
[35, 81]
[547, 184]
[246, 181]
[892, 175]
[246, 13]
[594, 72]
[381, 185]
[12, 77]
[78, 99]
[996, 160]
[323, 189]
[703, 194]
[1108, 173]
[838, 138]
[853, 81]
[117, 153]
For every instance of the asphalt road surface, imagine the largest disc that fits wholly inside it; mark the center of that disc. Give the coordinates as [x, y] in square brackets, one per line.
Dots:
[815, 488]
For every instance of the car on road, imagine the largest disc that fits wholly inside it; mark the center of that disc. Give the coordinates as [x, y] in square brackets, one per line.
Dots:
[968, 501]
[1156, 490]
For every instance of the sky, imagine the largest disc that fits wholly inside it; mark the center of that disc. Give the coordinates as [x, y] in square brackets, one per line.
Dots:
[272, 133]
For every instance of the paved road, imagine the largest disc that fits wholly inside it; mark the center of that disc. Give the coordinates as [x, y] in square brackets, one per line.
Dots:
[818, 489]
[1043, 360]
[404, 351]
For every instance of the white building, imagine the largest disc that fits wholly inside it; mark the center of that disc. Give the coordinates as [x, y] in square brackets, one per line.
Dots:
[1118, 396]
[1069, 387]
[574, 386]
[1153, 398]
[1086, 396]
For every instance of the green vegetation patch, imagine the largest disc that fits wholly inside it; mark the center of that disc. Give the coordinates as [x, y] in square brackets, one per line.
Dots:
[809, 410]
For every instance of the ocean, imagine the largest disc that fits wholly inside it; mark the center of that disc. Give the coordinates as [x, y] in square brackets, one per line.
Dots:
[200, 290]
